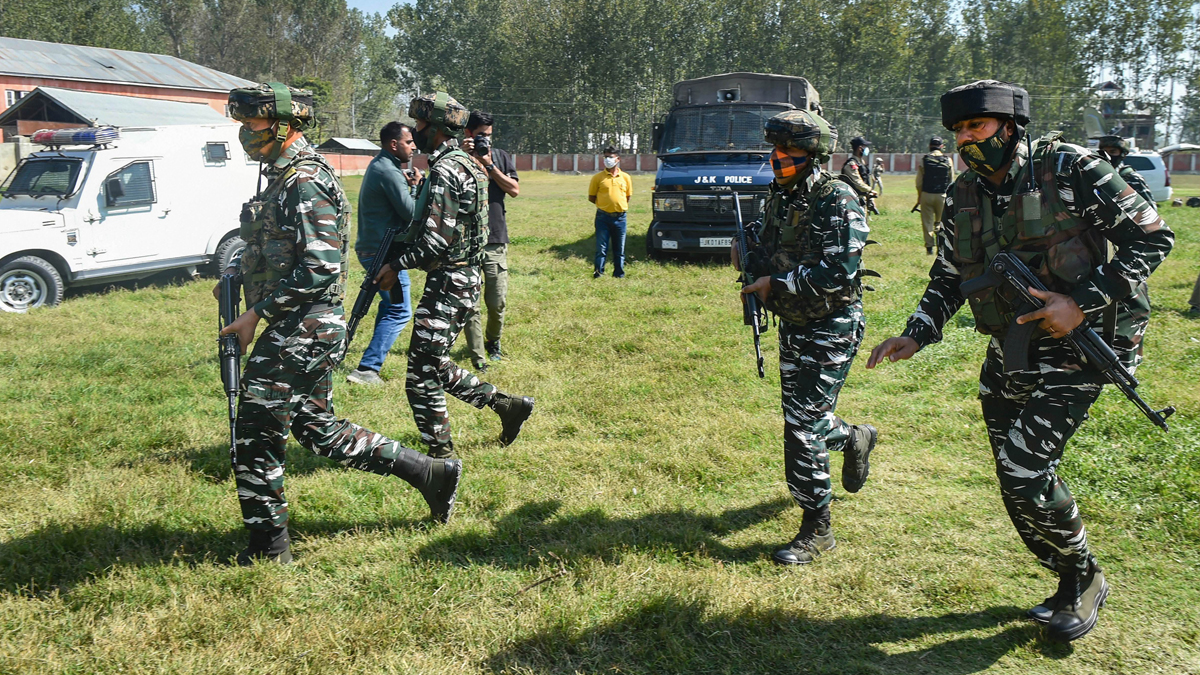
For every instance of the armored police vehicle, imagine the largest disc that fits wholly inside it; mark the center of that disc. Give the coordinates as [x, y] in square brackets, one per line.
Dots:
[711, 144]
[98, 205]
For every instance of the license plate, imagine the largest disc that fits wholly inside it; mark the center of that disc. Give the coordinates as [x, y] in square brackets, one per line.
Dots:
[670, 244]
[715, 242]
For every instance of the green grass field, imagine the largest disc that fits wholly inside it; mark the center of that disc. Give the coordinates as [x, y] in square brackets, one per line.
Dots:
[646, 492]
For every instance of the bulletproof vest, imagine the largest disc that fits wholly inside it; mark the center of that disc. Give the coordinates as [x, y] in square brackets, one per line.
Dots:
[936, 178]
[472, 215]
[272, 252]
[786, 241]
[1037, 226]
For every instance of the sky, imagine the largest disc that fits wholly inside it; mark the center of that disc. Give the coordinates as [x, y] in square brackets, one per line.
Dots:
[372, 6]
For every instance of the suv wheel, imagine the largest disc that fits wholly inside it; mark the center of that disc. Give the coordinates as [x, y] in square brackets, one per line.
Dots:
[225, 253]
[29, 282]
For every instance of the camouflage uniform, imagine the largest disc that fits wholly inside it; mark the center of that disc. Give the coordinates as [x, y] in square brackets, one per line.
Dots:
[294, 270]
[816, 291]
[449, 248]
[1134, 180]
[1031, 414]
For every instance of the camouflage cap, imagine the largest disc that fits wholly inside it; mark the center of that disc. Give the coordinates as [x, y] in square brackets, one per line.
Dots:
[803, 130]
[1115, 142]
[272, 100]
[440, 110]
[985, 98]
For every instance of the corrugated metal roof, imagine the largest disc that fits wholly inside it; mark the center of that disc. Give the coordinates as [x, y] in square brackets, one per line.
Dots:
[351, 144]
[120, 111]
[32, 58]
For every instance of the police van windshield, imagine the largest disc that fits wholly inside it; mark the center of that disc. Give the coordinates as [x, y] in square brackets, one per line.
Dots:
[718, 128]
[43, 177]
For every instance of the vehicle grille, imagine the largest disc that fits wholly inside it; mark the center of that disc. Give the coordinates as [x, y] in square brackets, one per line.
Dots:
[721, 206]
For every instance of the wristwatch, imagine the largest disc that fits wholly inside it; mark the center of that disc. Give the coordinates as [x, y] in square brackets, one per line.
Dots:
[488, 167]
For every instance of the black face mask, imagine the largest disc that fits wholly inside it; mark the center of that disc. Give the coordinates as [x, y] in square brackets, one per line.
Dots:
[423, 138]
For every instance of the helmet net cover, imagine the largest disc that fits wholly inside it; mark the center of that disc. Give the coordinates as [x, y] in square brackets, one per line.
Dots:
[1114, 142]
[440, 110]
[803, 130]
[985, 98]
[272, 100]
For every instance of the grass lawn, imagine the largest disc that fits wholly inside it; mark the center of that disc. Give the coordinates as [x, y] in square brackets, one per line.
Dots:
[646, 492]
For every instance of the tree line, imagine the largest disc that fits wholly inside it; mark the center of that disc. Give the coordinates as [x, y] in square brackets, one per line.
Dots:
[574, 75]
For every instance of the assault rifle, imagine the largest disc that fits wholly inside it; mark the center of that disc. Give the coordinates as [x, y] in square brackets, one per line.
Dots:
[368, 289]
[230, 352]
[1007, 268]
[753, 313]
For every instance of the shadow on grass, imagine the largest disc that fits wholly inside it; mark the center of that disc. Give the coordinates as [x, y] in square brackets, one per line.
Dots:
[165, 279]
[212, 462]
[635, 248]
[61, 556]
[518, 538]
[673, 635]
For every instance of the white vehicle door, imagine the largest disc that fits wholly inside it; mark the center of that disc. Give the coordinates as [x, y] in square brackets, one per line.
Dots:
[131, 225]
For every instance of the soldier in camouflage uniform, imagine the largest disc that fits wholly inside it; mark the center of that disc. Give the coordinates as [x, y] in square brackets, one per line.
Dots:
[1056, 214]
[856, 172]
[293, 271]
[448, 244]
[1116, 149]
[807, 268]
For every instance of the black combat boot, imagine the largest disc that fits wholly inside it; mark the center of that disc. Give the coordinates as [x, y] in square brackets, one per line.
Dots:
[815, 537]
[1080, 607]
[513, 411]
[493, 350]
[856, 465]
[272, 545]
[436, 479]
[1042, 613]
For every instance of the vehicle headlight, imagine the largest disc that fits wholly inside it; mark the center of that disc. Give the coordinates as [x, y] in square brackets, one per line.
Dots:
[668, 203]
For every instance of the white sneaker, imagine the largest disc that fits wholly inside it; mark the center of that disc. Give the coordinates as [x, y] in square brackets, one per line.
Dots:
[367, 377]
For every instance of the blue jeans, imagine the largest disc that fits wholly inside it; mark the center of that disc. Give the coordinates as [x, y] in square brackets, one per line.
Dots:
[390, 320]
[610, 226]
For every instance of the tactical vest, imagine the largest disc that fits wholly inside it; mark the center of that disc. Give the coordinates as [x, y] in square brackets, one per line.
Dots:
[473, 216]
[786, 242]
[1037, 227]
[936, 177]
[272, 252]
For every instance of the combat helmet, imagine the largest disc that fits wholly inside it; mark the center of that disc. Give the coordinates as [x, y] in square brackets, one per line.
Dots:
[936, 142]
[441, 111]
[1115, 142]
[273, 100]
[803, 130]
[985, 98]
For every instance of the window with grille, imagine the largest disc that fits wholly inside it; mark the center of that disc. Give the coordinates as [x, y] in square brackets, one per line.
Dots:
[137, 183]
[12, 96]
[718, 128]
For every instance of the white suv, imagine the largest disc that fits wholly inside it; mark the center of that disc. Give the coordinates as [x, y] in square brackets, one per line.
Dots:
[1151, 166]
[96, 207]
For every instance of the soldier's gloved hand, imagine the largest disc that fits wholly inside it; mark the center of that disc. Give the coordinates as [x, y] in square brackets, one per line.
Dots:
[893, 349]
[244, 326]
[387, 277]
[1059, 316]
[761, 286]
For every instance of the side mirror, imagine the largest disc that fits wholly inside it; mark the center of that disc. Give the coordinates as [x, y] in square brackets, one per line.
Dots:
[113, 190]
[656, 134]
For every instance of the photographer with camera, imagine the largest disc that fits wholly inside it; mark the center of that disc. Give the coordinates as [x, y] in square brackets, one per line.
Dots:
[502, 182]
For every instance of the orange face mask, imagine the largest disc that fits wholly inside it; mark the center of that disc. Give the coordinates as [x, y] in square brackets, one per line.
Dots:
[787, 168]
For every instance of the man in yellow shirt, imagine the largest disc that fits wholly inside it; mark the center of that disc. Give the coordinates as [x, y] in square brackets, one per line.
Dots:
[610, 191]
